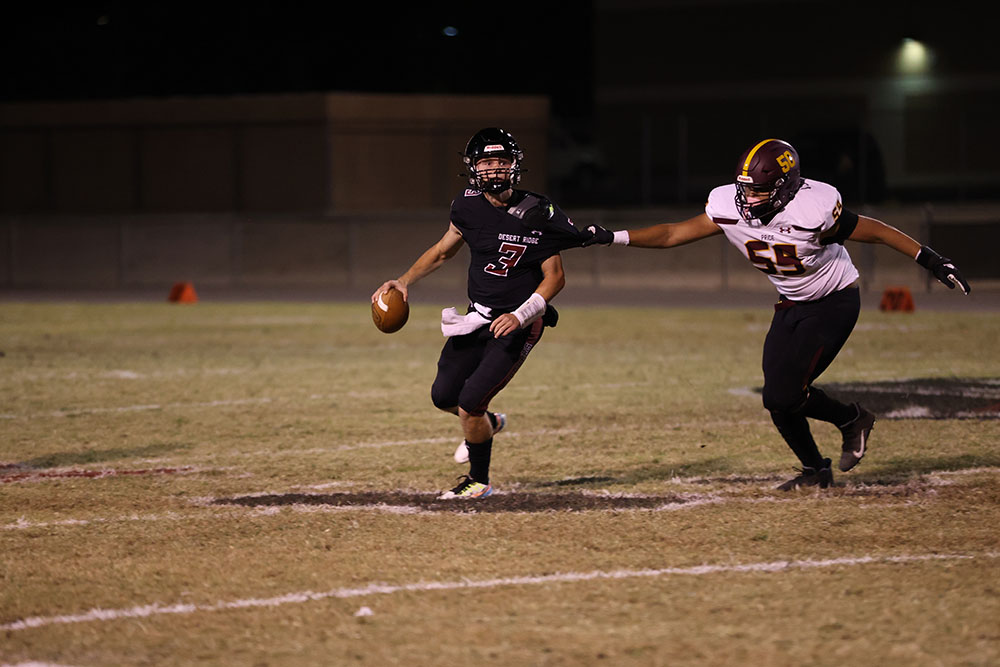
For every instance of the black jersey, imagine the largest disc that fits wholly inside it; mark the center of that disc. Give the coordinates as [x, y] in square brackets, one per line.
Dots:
[507, 255]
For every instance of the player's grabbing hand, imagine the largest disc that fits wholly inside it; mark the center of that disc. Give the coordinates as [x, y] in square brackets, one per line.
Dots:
[943, 269]
[598, 235]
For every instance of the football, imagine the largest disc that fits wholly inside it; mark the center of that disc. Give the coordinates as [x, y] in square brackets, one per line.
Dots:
[390, 312]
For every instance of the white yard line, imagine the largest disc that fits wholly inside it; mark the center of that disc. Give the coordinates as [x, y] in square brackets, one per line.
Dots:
[24, 524]
[903, 386]
[211, 511]
[225, 402]
[272, 453]
[124, 374]
[157, 609]
[15, 475]
[964, 471]
[765, 479]
[141, 408]
[214, 513]
[930, 390]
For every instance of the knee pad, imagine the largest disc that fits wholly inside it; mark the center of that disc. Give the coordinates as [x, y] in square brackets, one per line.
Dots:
[443, 398]
[784, 400]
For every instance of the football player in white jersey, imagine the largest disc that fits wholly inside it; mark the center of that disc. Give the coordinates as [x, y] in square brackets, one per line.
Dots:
[793, 229]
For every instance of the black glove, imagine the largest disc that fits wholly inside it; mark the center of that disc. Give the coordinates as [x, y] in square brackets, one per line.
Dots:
[533, 212]
[597, 234]
[942, 268]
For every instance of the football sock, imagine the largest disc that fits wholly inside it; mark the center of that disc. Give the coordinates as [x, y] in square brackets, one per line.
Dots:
[479, 460]
[795, 430]
[493, 419]
[820, 406]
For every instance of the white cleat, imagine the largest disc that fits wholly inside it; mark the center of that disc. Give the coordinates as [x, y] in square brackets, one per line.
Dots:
[462, 451]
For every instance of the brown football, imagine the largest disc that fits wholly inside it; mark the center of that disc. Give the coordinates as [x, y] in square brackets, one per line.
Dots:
[390, 312]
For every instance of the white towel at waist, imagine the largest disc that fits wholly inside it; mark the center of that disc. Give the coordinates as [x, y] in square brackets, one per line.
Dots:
[453, 324]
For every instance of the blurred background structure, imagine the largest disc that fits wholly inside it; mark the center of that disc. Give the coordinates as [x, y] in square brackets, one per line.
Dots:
[316, 145]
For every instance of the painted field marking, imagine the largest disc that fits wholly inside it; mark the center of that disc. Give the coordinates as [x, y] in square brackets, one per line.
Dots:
[930, 390]
[13, 473]
[30, 475]
[222, 402]
[124, 374]
[141, 408]
[211, 511]
[901, 386]
[157, 609]
[271, 453]
[24, 524]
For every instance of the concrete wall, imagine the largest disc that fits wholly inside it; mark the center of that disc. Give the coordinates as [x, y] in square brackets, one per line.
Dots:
[313, 153]
[347, 251]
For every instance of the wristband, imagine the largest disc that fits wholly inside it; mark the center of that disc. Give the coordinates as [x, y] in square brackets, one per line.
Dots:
[531, 309]
[925, 256]
[621, 237]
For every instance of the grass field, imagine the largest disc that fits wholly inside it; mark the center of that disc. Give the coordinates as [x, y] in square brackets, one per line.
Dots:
[255, 483]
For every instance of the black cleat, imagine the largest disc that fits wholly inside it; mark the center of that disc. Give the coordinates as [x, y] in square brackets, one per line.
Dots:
[821, 477]
[855, 438]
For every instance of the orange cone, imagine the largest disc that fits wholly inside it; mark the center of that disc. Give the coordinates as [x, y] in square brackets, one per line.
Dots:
[182, 293]
[897, 298]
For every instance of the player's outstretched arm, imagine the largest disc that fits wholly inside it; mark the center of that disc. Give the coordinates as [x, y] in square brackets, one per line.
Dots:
[665, 235]
[870, 230]
[429, 262]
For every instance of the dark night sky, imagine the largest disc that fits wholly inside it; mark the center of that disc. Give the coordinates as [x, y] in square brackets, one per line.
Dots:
[109, 50]
[628, 51]
[90, 50]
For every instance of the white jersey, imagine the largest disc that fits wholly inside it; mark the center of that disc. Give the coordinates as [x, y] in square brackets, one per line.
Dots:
[787, 249]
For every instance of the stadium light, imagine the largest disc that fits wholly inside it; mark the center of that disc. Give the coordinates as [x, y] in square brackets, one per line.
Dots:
[913, 57]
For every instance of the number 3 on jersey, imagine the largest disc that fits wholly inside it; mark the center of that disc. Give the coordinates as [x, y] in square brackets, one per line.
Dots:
[786, 260]
[510, 254]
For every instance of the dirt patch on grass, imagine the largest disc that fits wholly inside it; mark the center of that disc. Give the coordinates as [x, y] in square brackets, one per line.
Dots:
[926, 398]
[922, 398]
[500, 502]
[529, 502]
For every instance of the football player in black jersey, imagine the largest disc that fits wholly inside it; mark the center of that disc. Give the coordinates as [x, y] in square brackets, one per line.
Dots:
[514, 238]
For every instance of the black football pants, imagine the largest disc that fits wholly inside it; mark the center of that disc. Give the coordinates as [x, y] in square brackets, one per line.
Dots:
[804, 339]
[474, 367]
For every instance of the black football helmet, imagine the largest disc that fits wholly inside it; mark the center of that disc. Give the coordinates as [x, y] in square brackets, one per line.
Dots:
[767, 178]
[493, 142]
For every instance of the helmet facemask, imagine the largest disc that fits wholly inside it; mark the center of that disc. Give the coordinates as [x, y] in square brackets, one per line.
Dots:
[493, 142]
[760, 201]
[496, 179]
[767, 178]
